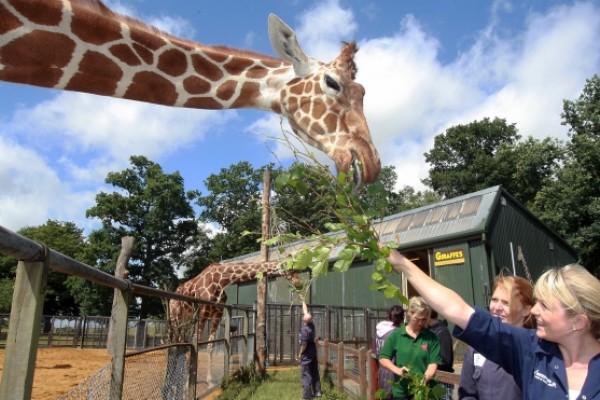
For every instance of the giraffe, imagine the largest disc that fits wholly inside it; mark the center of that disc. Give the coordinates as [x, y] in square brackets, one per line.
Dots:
[81, 45]
[210, 285]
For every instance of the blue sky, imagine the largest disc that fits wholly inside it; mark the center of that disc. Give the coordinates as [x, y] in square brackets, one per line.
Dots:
[426, 66]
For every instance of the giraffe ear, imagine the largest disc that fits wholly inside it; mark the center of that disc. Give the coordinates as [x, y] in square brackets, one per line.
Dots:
[284, 42]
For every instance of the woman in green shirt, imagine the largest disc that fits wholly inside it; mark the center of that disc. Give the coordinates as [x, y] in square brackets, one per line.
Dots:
[413, 348]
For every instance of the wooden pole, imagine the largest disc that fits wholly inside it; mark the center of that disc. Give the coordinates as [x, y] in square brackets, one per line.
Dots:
[117, 332]
[121, 272]
[261, 286]
[24, 330]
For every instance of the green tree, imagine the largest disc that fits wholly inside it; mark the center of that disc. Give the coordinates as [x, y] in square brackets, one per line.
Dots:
[154, 208]
[487, 153]
[463, 159]
[64, 237]
[532, 164]
[571, 204]
[309, 210]
[92, 298]
[234, 204]
[381, 195]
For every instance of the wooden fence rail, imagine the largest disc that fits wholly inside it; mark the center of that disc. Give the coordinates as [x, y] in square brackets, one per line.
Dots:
[353, 369]
[34, 262]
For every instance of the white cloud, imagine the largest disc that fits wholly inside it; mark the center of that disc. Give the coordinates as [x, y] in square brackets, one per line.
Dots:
[110, 130]
[411, 96]
[323, 28]
[32, 191]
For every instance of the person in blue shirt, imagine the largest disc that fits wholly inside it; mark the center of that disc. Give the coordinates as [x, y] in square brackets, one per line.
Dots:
[482, 379]
[560, 359]
[309, 361]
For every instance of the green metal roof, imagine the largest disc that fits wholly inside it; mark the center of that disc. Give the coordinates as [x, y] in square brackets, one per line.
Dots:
[457, 217]
[447, 220]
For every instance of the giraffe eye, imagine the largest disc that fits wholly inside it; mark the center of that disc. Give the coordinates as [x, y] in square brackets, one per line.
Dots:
[331, 83]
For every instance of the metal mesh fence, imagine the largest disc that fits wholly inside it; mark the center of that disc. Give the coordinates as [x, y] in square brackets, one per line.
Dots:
[96, 386]
[163, 373]
[160, 373]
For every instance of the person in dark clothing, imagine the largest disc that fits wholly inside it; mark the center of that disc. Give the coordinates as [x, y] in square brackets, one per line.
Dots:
[440, 328]
[309, 362]
[382, 331]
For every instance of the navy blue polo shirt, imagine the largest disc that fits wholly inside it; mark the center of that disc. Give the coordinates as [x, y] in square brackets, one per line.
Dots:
[536, 364]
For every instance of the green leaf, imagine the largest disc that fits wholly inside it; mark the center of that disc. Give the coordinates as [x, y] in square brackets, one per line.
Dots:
[342, 265]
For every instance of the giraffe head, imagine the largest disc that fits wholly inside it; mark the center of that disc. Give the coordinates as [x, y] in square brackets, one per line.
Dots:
[324, 105]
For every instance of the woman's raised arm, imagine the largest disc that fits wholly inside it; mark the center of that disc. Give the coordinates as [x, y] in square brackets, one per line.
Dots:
[445, 301]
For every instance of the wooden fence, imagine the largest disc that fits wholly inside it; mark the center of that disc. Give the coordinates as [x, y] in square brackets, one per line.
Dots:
[352, 368]
[35, 262]
[347, 362]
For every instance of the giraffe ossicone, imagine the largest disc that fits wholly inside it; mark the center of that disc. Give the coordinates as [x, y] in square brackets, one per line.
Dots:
[81, 45]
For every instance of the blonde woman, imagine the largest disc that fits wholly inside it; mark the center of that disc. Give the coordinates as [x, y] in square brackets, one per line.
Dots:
[558, 360]
[413, 347]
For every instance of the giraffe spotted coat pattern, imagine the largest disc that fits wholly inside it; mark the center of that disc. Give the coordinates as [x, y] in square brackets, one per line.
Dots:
[209, 285]
[81, 45]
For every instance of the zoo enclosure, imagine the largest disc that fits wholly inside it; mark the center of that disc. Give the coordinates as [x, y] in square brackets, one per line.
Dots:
[348, 328]
[22, 342]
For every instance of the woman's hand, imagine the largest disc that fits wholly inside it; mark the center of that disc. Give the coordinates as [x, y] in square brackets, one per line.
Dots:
[400, 371]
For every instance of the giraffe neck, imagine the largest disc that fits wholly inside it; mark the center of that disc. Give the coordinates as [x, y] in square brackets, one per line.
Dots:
[81, 45]
[56, 44]
[232, 273]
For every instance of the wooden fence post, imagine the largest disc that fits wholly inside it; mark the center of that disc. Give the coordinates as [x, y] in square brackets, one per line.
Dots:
[227, 337]
[118, 321]
[24, 330]
[121, 272]
[362, 371]
[340, 367]
[245, 332]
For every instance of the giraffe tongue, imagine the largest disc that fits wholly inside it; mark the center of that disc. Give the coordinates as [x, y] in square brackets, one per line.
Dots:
[357, 174]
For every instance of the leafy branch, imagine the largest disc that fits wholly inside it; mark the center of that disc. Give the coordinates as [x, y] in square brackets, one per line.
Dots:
[421, 389]
[349, 237]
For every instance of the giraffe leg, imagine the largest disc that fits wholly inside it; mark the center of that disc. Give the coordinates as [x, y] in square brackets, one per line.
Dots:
[215, 321]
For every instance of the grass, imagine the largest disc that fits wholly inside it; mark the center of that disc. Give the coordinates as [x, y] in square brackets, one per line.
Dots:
[279, 384]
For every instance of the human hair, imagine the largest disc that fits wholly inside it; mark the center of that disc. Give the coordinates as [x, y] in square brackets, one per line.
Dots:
[417, 305]
[520, 290]
[576, 289]
[396, 315]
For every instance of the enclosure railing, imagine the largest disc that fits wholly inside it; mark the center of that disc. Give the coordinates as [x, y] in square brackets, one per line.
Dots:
[347, 330]
[34, 262]
[352, 368]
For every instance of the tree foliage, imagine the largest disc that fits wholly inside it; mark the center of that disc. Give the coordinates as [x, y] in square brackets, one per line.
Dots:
[487, 153]
[571, 203]
[64, 237]
[153, 207]
[234, 204]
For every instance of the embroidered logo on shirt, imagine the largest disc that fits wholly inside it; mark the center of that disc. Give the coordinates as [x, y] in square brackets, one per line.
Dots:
[424, 346]
[544, 379]
[478, 360]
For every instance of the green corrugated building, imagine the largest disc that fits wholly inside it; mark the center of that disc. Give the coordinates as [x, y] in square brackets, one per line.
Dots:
[462, 242]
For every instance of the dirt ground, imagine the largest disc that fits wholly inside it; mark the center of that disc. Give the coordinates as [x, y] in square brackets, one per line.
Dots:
[59, 369]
